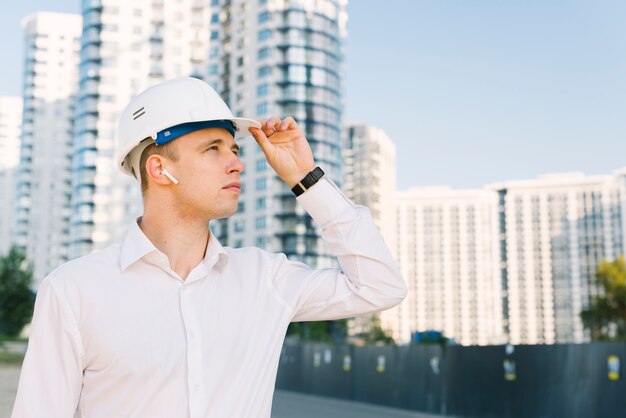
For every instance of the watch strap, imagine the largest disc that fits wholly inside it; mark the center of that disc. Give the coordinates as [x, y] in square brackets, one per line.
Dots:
[308, 181]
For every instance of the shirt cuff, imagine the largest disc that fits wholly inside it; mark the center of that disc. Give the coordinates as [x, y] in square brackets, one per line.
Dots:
[324, 201]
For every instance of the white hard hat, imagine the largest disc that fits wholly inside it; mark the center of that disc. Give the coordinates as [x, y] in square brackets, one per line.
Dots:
[166, 105]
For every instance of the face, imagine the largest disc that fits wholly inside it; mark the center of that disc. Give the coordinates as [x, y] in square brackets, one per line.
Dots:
[208, 170]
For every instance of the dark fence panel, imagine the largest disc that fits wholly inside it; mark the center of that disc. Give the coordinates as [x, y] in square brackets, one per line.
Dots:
[551, 381]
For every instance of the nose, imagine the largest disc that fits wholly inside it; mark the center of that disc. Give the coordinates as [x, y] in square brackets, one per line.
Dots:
[235, 165]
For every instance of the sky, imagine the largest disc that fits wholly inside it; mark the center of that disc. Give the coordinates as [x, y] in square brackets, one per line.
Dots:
[471, 92]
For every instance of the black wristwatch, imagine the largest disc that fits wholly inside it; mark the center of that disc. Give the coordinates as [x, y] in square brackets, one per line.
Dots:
[308, 181]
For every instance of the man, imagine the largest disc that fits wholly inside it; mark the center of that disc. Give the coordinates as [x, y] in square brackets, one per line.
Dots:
[169, 323]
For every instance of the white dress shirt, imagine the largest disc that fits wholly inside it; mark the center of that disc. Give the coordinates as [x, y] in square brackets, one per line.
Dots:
[119, 334]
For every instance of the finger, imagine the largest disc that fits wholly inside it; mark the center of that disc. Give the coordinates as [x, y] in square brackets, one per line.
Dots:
[260, 137]
[288, 123]
[273, 124]
[269, 126]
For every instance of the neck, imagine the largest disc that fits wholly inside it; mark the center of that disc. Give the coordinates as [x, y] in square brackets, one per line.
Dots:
[181, 239]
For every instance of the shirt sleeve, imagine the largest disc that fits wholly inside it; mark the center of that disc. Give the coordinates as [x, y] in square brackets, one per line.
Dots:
[368, 279]
[52, 372]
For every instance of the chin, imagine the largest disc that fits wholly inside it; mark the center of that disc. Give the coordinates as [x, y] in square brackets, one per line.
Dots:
[224, 213]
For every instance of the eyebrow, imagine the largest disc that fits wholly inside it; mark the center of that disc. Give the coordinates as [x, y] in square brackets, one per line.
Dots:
[217, 141]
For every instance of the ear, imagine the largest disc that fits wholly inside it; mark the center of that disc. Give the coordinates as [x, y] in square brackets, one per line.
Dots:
[154, 165]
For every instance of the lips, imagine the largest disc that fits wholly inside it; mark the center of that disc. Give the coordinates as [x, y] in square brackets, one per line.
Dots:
[235, 186]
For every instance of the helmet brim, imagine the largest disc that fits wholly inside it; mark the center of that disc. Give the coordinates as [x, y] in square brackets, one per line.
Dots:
[242, 125]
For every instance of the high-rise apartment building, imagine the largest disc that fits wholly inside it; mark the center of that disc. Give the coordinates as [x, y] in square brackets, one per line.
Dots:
[126, 46]
[51, 51]
[265, 58]
[369, 179]
[280, 57]
[369, 173]
[445, 247]
[553, 233]
[10, 129]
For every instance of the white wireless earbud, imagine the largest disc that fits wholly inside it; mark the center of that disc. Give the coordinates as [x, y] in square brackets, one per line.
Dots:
[169, 176]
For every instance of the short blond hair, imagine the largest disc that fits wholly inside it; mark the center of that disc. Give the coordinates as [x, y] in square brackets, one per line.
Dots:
[167, 150]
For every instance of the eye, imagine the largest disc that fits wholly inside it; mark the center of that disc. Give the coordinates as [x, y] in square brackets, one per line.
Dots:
[213, 147]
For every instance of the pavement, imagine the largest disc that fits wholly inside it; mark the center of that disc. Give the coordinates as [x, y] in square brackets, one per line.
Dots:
[9, 376]
[297, 405]
[286, 404]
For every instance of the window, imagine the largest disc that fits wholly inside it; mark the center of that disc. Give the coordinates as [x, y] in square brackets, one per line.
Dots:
[239, 61]
[261, 90]
[261, 165]
[241, 207]
[264, 16]
[297, 73]
[213, 69]
[264, 35]
[261, 242]
[108, 62]
[264, 71]
[239, 225]
[214, 53]
[215, 2]
[261, 108]
[215, 18]
[214, 35]
[259, 222]
[263, 53]
[261, 183]
[261, 203]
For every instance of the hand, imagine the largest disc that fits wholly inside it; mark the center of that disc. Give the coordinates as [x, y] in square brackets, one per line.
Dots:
[286, 149]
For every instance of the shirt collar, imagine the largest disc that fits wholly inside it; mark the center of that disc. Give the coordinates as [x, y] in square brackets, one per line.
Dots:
[136, 245]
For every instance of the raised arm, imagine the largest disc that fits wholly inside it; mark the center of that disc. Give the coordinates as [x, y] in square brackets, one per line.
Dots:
[368, 280]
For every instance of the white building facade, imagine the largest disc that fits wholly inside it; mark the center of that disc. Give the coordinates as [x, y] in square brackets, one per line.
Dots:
[10, 129]
[265, 58]
[445, 249]
[369, 173]
[280, 57]
[51, 45]
[369, 179]
[125, 47]
[553, 233]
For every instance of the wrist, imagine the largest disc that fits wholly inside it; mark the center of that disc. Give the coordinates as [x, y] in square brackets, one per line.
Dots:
[293, 179]
[307, 181]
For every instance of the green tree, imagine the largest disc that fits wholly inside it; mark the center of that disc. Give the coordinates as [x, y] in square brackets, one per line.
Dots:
[605, 316]
[376, 334]
[16, 297]
[319, 331]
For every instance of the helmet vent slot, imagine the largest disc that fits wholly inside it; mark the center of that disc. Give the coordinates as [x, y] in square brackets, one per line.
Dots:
[139, 113]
